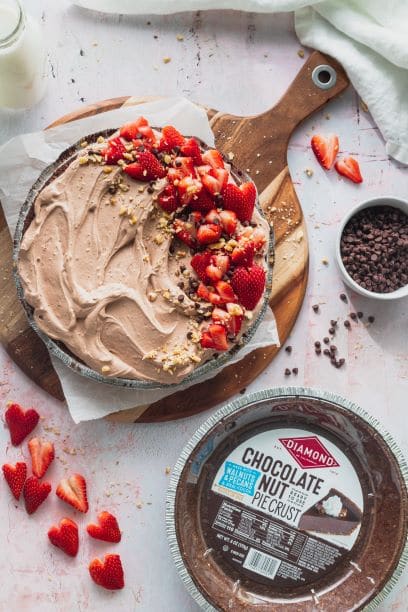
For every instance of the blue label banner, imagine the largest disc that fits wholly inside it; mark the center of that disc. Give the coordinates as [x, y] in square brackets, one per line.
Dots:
[239, 478]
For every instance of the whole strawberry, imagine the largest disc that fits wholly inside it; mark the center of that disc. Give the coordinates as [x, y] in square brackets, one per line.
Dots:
[249, 283]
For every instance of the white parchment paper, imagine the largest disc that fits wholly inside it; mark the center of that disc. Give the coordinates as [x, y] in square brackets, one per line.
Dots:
[21, 161]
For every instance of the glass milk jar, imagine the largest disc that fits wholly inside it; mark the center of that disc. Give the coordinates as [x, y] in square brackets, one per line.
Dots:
[22, 57]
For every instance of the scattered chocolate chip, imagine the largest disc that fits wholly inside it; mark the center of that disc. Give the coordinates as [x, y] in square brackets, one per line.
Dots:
[341, 362]
[295, 371]
[326, 340]
[333, 348]
[315, 307]
[318, 351]
[317, 344]
[333, 323]
[288, 349]
[360, 314]
[189, 335]
[81, 52]
[181, 284]
[242, 391]
[182, 268]
[326, 352]
[333, 360]
[353, 315]
[287, 372]
[150, 190]
[178, 164]
[180, 298]
[371, 319]
[347, 324]
[343, 297]
[374, 248]
[332, 331]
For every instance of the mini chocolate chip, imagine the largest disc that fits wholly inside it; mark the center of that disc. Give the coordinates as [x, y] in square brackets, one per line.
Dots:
[326, 352]
[353, 315]
[181, 284]
[343, 297]
[197, 306]
[150, 190]
[317, 344]
[347, 324]
[315, 307]
[333, 348]
[295, 371]
[178, 164]
[360, 314]
[288, 349]
[333, 323]
[371, 319]
[326, 340]
[287, 372]
[182, 268]
[318, 351]
[242, 391]
[180, 298]
[189, 335]
[332, 331]
[341, 362]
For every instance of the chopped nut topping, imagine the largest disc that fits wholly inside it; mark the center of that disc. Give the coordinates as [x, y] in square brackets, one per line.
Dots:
[105, 369]
[84, 144]
[112, 201]
[166, 295]
[166, 60]
[152, 296]
[301, 53]
[100, 139]
[167, 159]
[195, 358]
[122, 211]
[133, 220]
[124, 187]
[83, 160]
[180, 37]
[107, 169]
[128, 156]
[159, 239]
[231, 155]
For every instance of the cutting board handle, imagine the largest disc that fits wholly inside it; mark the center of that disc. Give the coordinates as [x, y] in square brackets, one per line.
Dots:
[320, 79]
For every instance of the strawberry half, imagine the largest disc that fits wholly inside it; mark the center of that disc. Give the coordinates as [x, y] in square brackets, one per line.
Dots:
[225, 292]
[108, 573]
[171, 138]
[35, 492]
[72, 490]
[202, 201]
[215, 180]
[107, 530]
[218, 267]
[348, 167]
[42, 454]
[130, 131]
[231, 322]
[146, 168]
[188, 187]
[184, 233]
[20, 423]
[243, 254]
[191, 148]
[208, 295]
[325, 148]
[184, 165]
[199, 263]
[168, 199]
[249, 284]
[240, 200]
[209, 233]
[15, 476]
[65, 536]
[114, 150]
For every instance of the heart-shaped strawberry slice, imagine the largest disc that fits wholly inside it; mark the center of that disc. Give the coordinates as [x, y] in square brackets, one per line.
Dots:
[109, 573]
[35, 492]
[107, 530]
[65, 536]
[20, 422]
[15, 476]
[249, 284]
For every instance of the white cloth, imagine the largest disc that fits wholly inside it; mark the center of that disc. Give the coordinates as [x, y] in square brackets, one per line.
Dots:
[21, 161]
[368, 37]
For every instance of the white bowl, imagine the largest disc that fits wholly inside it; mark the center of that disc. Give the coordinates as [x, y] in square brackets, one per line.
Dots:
[382, 201]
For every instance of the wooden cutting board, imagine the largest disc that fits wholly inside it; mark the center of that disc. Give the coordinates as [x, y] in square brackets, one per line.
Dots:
[259, 144]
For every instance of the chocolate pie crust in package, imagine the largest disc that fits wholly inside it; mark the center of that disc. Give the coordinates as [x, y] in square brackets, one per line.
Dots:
[289, 499]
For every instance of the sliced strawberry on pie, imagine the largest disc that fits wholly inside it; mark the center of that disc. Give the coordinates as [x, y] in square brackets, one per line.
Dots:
[240, 200]
[146, 167]
[202, 201]
[225, 291]
[213, 158]
[184, 232]
[243, 254]
[65, 536]
[184, 165]
[15, 476]
[171, 139]
[229, 221]
[208, 233]
[215, 337]
[348, 167]
[199, 263]
[325, 148]
[249, 285]
[230, 318]
[114, 150]
[130, 131]
[209, 295]
[218, 267]
[191, 148]
[168, 199]
[215, 180]
[72, 490]
[188, 187]
[42, 455]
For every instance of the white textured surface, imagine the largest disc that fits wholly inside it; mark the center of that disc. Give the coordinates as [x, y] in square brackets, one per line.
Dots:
[258, 53]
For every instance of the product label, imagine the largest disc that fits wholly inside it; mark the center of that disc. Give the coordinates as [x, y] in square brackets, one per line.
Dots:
[285, 505]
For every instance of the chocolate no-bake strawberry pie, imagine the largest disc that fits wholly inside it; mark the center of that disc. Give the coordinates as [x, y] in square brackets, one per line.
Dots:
[144, 255]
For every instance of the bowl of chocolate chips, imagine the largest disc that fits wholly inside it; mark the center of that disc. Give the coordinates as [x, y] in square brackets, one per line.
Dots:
[372, 248]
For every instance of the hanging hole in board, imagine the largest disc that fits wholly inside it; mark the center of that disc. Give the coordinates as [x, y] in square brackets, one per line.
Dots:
[324, 76]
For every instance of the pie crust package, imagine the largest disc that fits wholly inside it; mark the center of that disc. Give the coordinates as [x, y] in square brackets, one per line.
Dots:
[289, 499]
